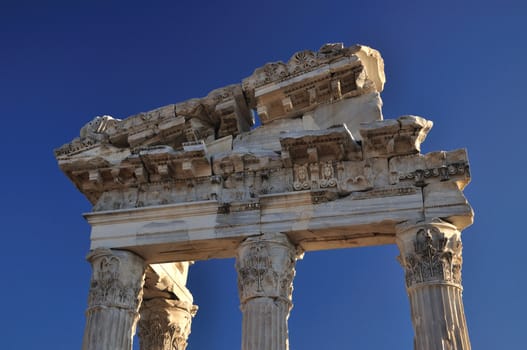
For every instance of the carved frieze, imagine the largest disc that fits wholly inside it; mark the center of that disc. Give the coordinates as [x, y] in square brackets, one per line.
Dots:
[433, 257]
[314, 176]
[302, 178]
[443, 173]
[432, 167]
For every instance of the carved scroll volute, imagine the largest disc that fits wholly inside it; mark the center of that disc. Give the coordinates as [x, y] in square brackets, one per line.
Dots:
[430, 253]
[117, 279]
[266, 267]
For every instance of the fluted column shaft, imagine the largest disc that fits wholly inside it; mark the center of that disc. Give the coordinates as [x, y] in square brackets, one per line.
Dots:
[431, 257]
[114, 299]
[266, 267]
[165, 324]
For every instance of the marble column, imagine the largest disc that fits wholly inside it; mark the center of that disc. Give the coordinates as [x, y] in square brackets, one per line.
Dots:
[165, 324]
[431, 257]
[266, 267]
[113, 303]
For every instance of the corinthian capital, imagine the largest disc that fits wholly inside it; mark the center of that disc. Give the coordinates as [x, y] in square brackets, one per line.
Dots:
[266, 267]
[430, 252]
[165, 324]
[117, 279]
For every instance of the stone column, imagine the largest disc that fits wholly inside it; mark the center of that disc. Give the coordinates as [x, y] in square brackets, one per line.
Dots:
[165, 324]
[266, 267]
[431, 257]
[114, 299]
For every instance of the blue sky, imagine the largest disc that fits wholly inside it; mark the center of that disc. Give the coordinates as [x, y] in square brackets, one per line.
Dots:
[460, 64]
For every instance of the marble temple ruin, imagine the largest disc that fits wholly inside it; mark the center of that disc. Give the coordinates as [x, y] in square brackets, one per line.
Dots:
[196, 180]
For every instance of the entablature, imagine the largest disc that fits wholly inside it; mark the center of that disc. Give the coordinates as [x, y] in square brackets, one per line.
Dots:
[324, 167]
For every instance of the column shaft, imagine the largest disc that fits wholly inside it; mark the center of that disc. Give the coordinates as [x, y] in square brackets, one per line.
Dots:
[431, 257]
[114, 299]
[438, 318]
[266, 267]
[264, 324]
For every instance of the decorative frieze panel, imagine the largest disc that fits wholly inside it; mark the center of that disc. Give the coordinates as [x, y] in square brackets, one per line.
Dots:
[310, 160]
[314, 176]
[432, 167]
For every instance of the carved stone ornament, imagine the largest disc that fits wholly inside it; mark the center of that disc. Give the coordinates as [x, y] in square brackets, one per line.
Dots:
[301, 178]
[165, 324]
[116, 281]
[435, 257]
[328, 175]
[266, 267]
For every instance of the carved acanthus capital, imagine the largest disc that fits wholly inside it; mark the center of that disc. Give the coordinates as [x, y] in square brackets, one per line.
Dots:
[165, 324]
[117, 279]
[266, 267]
[430, 253]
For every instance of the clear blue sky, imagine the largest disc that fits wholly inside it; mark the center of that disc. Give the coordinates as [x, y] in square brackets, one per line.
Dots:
[64, 62]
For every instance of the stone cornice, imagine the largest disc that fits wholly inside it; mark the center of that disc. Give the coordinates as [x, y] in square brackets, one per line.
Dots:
[321, 158]
[226, 111]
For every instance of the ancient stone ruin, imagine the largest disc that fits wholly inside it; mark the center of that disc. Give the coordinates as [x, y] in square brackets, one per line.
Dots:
[196, 180]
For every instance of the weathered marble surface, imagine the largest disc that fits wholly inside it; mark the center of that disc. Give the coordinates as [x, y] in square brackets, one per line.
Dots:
[431, 257]
[114, 299]
[266, 268]
[192, 181]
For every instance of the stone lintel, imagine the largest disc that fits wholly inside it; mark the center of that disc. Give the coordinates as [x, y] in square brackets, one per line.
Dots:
[203, 230]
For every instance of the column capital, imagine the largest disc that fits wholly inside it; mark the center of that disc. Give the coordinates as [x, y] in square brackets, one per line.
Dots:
[430, 252]
[266, 267]
[116, 292]
[165, 324]
[117, 279]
